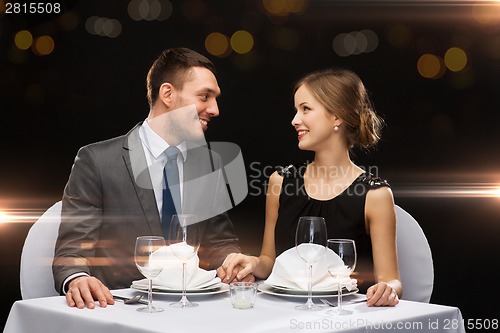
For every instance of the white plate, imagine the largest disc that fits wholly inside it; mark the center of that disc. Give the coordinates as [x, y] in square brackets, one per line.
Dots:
[210, 284]
[284, 292]
[222, 288]
[298, 291]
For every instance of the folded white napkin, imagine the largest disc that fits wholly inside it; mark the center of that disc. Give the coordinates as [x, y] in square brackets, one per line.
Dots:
[291, 271]
[171, 275]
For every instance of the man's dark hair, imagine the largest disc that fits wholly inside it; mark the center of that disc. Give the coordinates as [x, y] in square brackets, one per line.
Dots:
[173, 66]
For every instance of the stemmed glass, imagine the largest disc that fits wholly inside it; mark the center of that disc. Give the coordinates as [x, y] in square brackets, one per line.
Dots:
[310, 242]
[184, 240]
[346, 250]
[150, 261]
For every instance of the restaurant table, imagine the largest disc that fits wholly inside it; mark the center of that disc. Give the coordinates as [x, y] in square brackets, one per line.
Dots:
[216, 314]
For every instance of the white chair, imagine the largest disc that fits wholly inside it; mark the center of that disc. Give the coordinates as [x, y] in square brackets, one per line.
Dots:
[38, 251]
[414, 257]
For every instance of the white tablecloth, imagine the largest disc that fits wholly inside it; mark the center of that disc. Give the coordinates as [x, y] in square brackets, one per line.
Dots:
[215, 314]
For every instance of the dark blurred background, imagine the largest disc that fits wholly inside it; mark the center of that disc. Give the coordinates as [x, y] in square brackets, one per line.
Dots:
[432, 67]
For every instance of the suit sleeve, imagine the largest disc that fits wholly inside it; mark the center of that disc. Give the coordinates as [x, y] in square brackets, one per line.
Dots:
[81, 219]
[219, 241]
[220, 238]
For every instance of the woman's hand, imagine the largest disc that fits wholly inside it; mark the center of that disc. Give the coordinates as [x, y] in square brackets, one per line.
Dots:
[382, 294]
[237, 267]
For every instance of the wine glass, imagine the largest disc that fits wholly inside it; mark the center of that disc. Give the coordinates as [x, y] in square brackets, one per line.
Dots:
[310, 242]
[150, 260]
[184, 240]
[346, 250]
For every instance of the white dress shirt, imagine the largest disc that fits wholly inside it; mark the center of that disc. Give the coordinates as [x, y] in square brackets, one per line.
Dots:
[154, 148]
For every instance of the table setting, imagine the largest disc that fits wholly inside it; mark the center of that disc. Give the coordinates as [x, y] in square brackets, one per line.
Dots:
[289, 277]
[317, 270]
[311, 269]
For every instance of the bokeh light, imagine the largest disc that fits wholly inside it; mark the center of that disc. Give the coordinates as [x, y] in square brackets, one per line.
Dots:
[275, 7]
[217, 44]
[43, 45]
[485, 13]
[344, 44]
[361, 42]
[149, 10]
[23, 40]
[371, 39]
[284, 7]
[455, 59]
[355, 42]
[295, 6]
[242, 42]
[103, 26]
[430, 66]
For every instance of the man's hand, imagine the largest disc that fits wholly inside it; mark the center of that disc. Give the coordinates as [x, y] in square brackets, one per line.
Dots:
[83, 290]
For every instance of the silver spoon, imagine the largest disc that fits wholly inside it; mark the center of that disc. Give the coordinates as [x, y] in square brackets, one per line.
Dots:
[327, 302]
[131, 300]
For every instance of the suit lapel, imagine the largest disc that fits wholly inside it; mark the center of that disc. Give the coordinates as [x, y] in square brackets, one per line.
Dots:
[135, 161]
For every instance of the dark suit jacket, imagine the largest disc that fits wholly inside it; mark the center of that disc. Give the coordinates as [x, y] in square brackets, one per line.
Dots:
[109, 201]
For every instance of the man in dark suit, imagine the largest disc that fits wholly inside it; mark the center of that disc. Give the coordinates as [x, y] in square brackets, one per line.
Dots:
[114, 192]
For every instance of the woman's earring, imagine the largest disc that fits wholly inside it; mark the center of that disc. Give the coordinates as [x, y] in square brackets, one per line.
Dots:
[336, 129]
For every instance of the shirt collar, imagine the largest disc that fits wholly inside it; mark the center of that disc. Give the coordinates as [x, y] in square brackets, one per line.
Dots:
[155, 144]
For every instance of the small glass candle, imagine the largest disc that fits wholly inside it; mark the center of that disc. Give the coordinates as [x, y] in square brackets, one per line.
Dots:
[243, 294]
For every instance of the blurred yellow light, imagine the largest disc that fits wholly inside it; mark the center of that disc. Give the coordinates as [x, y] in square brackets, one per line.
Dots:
[23, 40]
[44, 45]
[295, 6]
[217, 44]
[284, 7]
[455, 59]
[242, 42]
[275, 7]
[429, 66]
